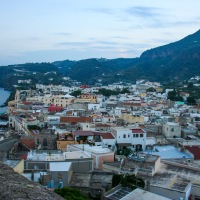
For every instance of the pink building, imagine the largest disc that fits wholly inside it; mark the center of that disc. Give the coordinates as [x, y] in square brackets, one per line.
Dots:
[55, 108]
[98, 153]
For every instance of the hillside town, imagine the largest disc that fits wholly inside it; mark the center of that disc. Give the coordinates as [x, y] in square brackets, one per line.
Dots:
[76, 137]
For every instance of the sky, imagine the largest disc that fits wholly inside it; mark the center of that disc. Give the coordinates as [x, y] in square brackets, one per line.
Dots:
[52, 30]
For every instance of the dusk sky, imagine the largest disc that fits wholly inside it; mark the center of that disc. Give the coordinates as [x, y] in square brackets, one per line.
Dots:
[51, 30]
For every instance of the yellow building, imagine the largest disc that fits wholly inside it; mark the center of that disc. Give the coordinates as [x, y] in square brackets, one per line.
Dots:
[12, 105]
[17, 165]
[36, 99]
[63, 100]
[132, 118]
[87, 98]
[159, 89]
[142, 95]
[62, 144]
[57, 100]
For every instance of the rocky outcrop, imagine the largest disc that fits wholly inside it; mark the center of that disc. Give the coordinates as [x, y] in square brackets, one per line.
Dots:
[16, 187]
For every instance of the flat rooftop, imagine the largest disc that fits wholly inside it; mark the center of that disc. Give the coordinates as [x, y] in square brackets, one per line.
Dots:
[144, 157]
[168, 152]
[140, 194]
[173, 177]
[119, 128]
[190, 143]
[46, 157]
[172, 124]
[76, 155]
[93, 149]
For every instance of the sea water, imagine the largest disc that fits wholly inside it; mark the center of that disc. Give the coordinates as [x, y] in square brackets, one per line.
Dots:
[3, 97]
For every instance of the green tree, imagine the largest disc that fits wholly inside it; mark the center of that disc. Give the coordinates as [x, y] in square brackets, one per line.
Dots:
[190, 85]
[191, 100]
[151, 89]
[107, 92]
[174, 96]
[125, 90]
[71, 194]
[127, 180]
[76, 93]
[33, 127]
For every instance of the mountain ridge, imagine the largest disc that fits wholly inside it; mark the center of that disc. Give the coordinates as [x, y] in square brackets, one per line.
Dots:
[178, 61]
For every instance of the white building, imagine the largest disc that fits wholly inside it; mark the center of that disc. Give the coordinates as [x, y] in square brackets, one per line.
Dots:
[108, 140]
[129, 136]
[94, 106]
[172, 130]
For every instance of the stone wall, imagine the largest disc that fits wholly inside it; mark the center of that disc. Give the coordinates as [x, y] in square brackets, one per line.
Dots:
[15, 186]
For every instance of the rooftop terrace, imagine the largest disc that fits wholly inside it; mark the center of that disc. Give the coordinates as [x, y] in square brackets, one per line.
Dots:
[168, 152]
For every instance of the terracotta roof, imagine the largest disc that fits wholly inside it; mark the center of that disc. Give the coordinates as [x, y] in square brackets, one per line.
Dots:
[97, 133]
[137, 131]
[75, 119]
[84, 86]
[23, 157]
[107, 136]
[29, 143]
[69, 112]
[195, 150]
[142, 126]
[197, 107]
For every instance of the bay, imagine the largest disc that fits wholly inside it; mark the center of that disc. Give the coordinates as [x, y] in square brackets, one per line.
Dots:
[3, 97]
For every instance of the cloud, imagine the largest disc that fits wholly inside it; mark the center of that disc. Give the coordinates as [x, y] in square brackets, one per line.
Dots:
[106, 11]
[167, 23]
[87, 43]
[105, 42]
[144, 12]
[34, 38]
[111, 44]
[182, 23]
[72, 43]
[63, 33]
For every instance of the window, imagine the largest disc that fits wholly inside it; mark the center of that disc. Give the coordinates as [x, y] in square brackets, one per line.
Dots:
[136, 135]
[128, 135]
[60, 176]
[141, 135]
[133, 135]
[133, 146]
[124, 136]
[172, 129]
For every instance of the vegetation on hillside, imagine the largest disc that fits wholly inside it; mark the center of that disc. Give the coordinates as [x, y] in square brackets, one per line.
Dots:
[127, 180]
[71, 194]
[173, 62]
